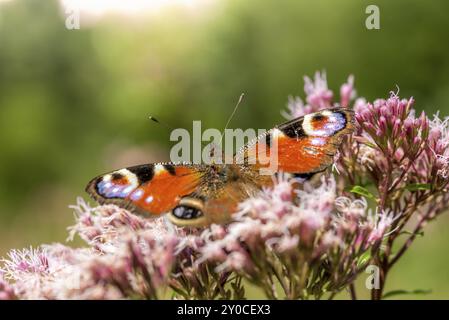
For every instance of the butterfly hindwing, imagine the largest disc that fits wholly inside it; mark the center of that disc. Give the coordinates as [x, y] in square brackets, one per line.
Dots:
[217, 197]
[207, 208]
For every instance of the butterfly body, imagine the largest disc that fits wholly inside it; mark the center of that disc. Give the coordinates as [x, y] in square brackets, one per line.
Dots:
[198, 195]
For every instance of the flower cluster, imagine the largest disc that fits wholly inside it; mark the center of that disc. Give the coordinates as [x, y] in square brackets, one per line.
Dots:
[318, 96]
[294, 240]
[306, 240]
[127, 257]
[396, 159]
[406, 168]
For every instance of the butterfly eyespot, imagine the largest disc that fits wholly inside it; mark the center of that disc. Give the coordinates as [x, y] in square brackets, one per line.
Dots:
[318, 117]
[117, 176]
[324, 123]
[186, 213]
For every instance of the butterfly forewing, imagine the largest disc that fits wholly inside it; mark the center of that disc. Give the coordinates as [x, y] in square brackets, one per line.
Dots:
[152, 189]
[303, 145]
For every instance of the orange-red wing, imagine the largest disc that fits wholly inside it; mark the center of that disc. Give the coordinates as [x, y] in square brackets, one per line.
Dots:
[303, 145]
[150, 189]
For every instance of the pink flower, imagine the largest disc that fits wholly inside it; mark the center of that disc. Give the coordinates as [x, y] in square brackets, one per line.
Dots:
[353, 210]
[318, 94]
[6, 291]
[236, 260]
[215, 251]
[439, 145]
[296, 108]
[26, 261]
[380, 224]
[347, 92]
[288, 243]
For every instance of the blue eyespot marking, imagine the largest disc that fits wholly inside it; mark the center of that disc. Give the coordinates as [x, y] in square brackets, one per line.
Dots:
[108, 189]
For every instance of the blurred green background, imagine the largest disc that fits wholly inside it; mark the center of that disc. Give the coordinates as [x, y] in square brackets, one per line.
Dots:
[75, 103]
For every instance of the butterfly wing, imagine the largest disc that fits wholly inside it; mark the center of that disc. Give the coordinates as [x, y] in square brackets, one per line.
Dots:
[150, 189]
[303, 146]
[191, 195]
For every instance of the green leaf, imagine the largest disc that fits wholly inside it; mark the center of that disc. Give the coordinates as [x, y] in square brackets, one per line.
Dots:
[363, 192]
[399, 292]
[418, 186]
[364, 259]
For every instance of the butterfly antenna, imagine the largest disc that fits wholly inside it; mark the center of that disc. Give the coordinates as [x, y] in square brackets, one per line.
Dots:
[232, 115]
[161, 123]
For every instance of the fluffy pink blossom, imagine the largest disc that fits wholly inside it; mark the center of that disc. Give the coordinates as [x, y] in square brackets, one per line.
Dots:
[318, 96]
[317, 92]
[347, 92]
[6, 290]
